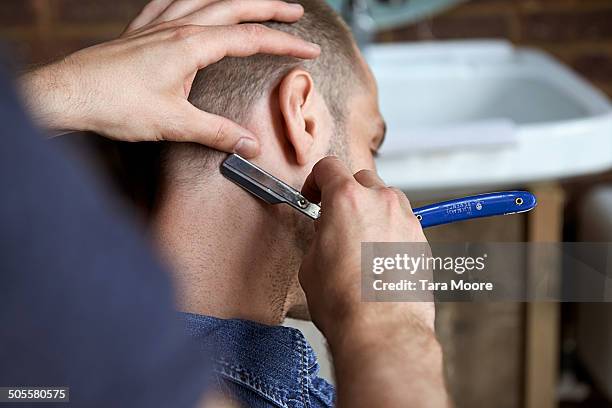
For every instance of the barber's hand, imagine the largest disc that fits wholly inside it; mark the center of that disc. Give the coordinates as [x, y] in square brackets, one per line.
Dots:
[213, 12]
[355, 209]
[135, 88]
[384, 353]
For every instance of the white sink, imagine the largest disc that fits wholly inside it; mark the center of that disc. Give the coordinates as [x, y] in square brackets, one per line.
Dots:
[469, 115]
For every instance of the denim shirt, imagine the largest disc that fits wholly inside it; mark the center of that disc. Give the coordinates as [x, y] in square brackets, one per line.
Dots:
[262, 366]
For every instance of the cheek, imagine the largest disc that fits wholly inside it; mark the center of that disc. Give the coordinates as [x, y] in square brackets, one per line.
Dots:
[362, 157]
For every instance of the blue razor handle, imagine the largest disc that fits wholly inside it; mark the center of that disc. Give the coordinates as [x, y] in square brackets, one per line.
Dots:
[274, 191]
[478, 206]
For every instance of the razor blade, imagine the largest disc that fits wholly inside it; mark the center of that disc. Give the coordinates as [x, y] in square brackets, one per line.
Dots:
[265, 186]
[274, 191]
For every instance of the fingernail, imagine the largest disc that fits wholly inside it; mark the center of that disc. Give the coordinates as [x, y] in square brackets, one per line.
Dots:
[315, 47]
[296, 6]
[247, 147]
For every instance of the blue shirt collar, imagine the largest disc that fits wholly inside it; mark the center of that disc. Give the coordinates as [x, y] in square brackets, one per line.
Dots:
[275, 361]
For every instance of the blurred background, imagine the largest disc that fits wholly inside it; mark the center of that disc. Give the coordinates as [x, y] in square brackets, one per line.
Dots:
[478, 95]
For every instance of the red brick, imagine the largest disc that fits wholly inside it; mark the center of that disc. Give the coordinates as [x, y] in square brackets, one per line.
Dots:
[559, 27]
[470, 27]
[409, 33]
[79, 11]
[16, 12]
[596, 67]
[445, 27]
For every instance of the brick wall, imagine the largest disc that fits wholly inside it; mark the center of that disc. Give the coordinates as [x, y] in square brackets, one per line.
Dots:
[579, 32]
[37, 31]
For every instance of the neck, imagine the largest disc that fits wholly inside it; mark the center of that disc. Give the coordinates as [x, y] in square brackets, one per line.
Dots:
[228, 252]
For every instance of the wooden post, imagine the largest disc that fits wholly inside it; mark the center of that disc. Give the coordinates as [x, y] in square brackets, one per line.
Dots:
[542, 318]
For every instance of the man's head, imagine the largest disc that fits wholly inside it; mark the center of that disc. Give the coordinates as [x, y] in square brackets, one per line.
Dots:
[301, 110]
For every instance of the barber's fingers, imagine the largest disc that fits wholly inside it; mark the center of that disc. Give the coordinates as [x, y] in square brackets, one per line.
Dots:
[370, 179]
[207, 45]
[226, 12]
[331, 180]
[160, 13]
[404, 201]
[327, 176]
[149, 13]
[180, 8]
[186, 123]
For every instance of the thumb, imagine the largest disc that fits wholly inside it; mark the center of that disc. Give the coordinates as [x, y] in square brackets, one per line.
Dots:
[213, 131]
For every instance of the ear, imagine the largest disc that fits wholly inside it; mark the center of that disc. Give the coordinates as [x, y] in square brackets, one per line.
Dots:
[298, 106]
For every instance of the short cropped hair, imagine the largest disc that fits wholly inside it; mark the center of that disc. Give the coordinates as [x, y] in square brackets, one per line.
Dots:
[231, 86]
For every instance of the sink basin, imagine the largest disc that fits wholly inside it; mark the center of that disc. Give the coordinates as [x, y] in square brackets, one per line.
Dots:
[472, 114]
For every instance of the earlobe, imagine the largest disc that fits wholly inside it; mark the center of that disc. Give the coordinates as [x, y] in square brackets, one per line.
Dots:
[297, 106]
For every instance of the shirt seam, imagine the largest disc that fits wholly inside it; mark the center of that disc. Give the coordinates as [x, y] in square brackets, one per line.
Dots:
[304, 377]
[246, 378]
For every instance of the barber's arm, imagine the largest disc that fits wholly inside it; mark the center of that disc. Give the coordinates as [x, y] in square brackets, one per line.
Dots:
[135, 88]
[385, 354]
